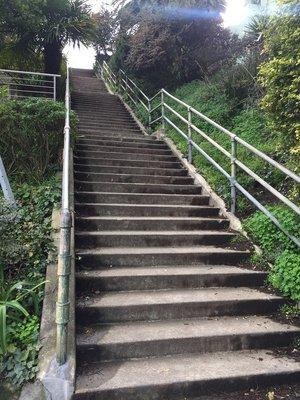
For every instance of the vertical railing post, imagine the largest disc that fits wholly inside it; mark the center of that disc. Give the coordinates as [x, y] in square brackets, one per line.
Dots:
[233, 174]
[149, 116]
[54, 88]
[5, 185]
[163, 122]
[190, 146]
[63, 302]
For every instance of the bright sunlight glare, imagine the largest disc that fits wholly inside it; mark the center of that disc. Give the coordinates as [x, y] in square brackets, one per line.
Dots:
[235, 13]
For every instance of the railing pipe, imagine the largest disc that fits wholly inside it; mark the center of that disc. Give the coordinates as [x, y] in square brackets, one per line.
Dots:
[190, 146]
[233, 175]
[5, 185]
[64, 258]
[232, 155]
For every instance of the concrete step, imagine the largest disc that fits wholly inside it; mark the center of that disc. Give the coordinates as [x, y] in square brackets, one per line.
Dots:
[149, 224]
[92, 239]
[184, 376]
[126, 155]
[142, 139]
[174, 304]
[98, 258]
[107, 122]
[98, 118]
[137, 188]
[122, 148]
[110, 342]
[141, 210]
[136, 132]
[128, 163]
[155, 145]
[131, 178]
[130, 170]
[137, 198]
[167, 277]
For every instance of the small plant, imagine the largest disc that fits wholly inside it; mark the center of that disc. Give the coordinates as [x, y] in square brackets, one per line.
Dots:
[285, 274]
[19, 364]
[290, 311]
[12, 297]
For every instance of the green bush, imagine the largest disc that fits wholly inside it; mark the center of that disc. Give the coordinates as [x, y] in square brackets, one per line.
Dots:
[279, 76]
[278, 248]
[285, 275]
[25, 243]
[19, 364]
[271, 240]
[31, 137]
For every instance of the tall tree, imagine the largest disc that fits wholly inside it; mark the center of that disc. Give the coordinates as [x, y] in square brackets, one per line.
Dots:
[45, 27]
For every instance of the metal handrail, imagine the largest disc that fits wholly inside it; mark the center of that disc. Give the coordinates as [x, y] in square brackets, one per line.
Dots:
[232, 155]
[64, 258]
[18, 83]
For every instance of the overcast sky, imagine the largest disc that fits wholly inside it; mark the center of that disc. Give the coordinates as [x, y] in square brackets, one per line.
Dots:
[84, 57]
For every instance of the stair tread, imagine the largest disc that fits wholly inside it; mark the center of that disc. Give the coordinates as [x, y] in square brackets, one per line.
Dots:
[126, 205]
[153, 233]
[167, 270]
[184, 368]
[122, 218]
[174, 296]
[132, 332]
[160, 250]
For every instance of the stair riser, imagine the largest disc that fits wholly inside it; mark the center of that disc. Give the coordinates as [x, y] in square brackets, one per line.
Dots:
[143, 211]
[113, 132]
[126, 143]
[124, 156]
[137, 188]
[127, 163]
[122, 178]
[142, 139]
[141, 199]
[157, 312]
[131, 170]
[98, 261]
[86, 284]
[156, 348]
[88, 242]
[107, 125]
[121, 148]
[150, 225]
[186, 390]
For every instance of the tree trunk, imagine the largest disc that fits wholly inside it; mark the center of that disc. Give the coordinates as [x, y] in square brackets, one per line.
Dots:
[52, 57]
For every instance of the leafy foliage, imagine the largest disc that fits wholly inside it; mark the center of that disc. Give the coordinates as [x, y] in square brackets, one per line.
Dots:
[25, 243]
[278, 249]
[285, 275]
[19, 364]
[43, 27]
[272, 241]
[279, 76]
[31, 136]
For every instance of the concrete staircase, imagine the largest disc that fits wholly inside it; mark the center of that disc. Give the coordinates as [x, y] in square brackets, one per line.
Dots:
[165, 308]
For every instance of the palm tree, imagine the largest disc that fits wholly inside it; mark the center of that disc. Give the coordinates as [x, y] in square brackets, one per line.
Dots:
[65, 21]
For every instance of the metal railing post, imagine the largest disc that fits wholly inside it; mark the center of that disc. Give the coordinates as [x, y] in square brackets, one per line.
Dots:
[163, 122]
[233, 174]
[149, 116]
[4, 183]
[54, 88]
[63, 303]
[190, 146]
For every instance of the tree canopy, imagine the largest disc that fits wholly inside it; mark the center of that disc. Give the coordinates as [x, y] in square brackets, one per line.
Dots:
[44, 27]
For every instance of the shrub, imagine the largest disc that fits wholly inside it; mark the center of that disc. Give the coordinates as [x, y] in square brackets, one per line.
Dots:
[280, 77]
[31, 136]
[285, 275]
[273, 241]
[25, 243]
